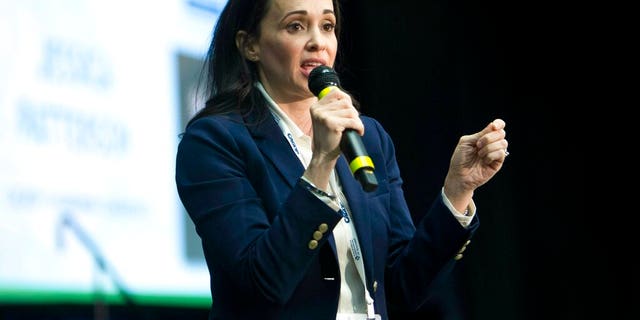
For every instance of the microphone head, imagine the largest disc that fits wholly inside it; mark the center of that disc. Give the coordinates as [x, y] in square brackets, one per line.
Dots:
[321, 77]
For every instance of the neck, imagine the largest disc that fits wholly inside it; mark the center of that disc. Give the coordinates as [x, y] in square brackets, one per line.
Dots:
[298, 112]
[296, 108]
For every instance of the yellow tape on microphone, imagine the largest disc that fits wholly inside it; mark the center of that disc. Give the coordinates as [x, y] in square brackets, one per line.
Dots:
[360, 162]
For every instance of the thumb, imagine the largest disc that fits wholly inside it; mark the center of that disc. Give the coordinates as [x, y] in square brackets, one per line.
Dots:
[494, 125]
[498, 124]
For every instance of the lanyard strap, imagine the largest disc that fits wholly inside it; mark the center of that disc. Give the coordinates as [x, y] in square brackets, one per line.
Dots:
[353, 239]
[354, 244]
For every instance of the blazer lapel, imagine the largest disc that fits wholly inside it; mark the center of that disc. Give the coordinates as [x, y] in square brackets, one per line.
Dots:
[274, 146]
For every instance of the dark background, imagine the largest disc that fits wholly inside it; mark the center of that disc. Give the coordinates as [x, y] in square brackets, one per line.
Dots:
[431, 71]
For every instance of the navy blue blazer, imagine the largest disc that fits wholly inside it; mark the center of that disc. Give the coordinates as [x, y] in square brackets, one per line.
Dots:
[239, 181]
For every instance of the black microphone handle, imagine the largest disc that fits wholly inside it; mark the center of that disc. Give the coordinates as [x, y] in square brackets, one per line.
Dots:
[360, 164]
[321, 80]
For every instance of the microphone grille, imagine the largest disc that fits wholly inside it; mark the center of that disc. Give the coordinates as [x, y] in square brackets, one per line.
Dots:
[322, 77]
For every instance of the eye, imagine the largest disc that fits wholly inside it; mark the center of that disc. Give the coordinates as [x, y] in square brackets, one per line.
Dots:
[295, 26]
[329, 27]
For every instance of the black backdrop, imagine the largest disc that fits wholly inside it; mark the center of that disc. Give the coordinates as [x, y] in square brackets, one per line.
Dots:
[431, 71]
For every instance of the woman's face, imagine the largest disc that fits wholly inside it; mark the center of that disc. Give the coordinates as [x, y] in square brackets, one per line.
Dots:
[295, 37]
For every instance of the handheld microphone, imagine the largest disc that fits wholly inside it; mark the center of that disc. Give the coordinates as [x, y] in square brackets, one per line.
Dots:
[321, 80]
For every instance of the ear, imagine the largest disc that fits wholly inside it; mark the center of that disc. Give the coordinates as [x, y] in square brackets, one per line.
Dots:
[248, 46]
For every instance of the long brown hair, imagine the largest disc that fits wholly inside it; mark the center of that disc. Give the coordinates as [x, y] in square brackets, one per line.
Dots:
[228, 76]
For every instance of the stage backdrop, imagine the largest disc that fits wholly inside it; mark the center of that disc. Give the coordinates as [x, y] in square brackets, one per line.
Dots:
[93, 96]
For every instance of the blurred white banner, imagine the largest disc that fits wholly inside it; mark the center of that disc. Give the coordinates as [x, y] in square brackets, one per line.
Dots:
[93, 95]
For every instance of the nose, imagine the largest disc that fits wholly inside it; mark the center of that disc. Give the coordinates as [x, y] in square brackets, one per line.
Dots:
[317, 40]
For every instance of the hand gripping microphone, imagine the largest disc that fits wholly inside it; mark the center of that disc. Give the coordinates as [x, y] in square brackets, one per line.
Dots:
[321, 80]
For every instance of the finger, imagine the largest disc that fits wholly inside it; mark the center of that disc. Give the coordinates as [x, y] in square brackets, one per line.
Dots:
[335, 93]
[343, 123]
[498, 124]
[493, 150]
[492, 132]
[495, 125]
[357, 125]
[499, 155]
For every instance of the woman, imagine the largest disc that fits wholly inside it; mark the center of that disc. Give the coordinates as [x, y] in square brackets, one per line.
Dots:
[286, 230]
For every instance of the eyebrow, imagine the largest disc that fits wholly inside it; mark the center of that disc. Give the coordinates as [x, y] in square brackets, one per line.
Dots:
[305, 12]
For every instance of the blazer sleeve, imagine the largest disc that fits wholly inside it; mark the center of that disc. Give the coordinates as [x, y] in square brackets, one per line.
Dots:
[420, 252]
